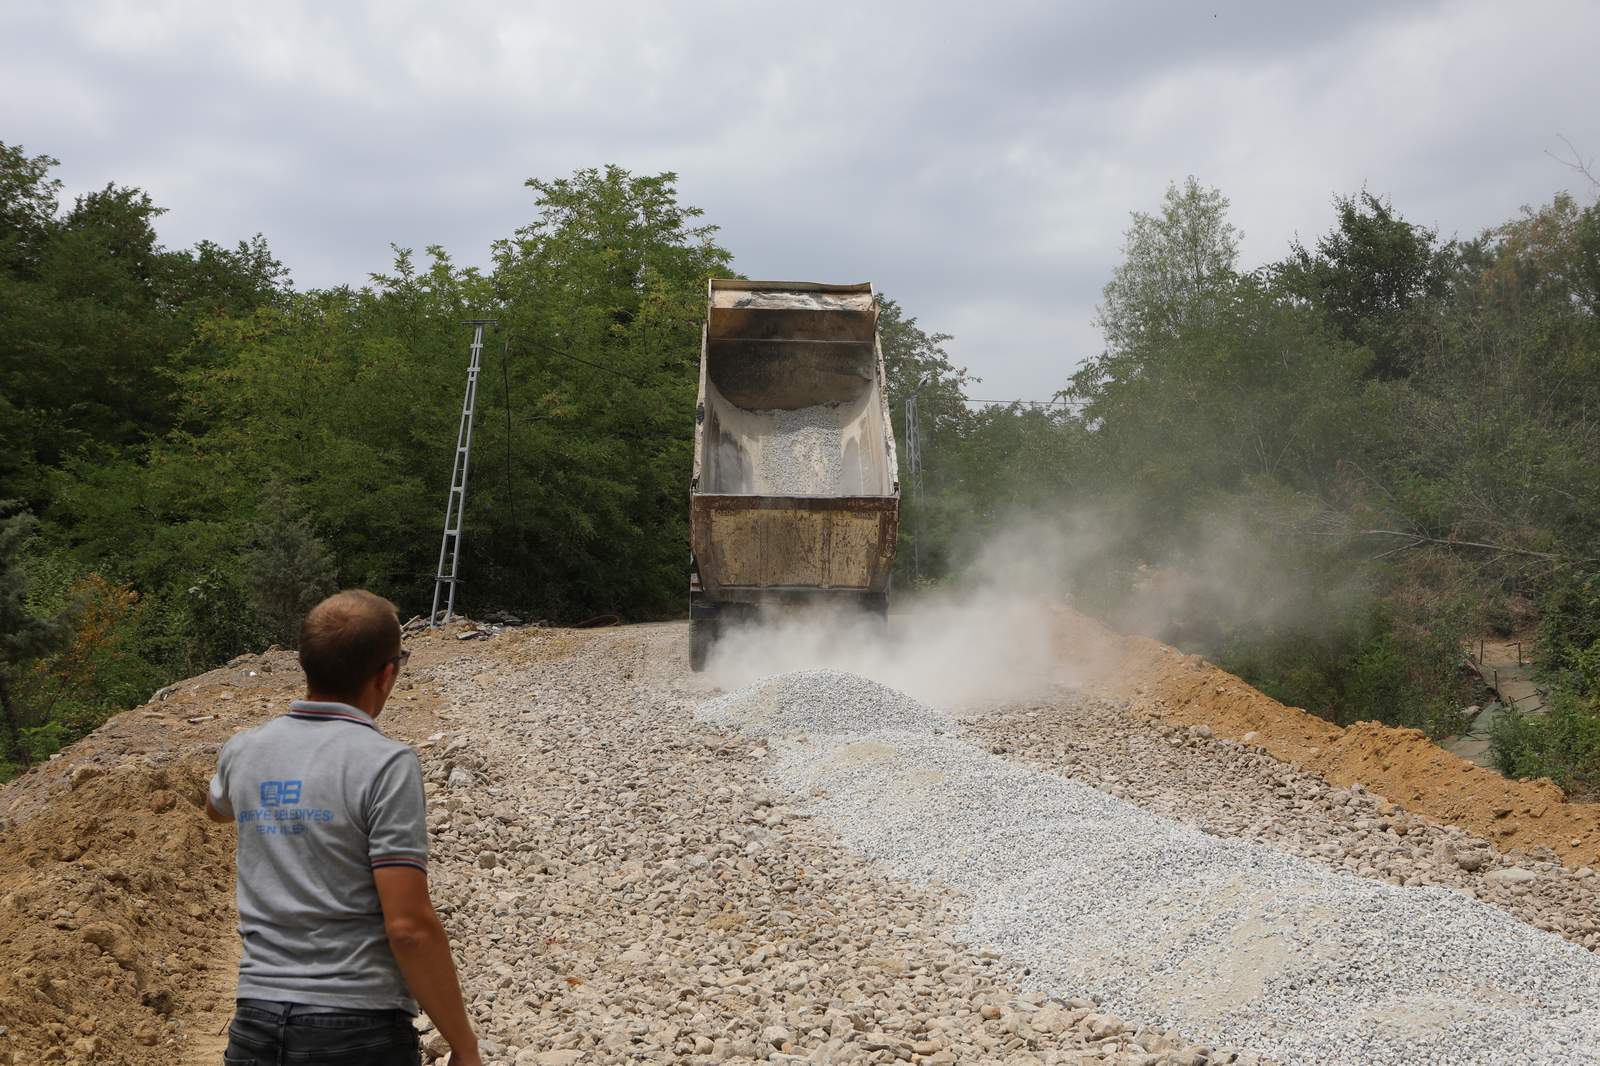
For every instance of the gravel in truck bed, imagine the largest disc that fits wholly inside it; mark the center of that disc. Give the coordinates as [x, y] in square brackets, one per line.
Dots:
[803, 454]
[1229, 940]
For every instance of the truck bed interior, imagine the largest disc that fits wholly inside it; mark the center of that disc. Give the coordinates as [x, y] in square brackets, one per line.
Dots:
[792, 399]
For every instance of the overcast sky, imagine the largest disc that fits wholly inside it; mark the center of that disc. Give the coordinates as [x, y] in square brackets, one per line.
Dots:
[975, 161]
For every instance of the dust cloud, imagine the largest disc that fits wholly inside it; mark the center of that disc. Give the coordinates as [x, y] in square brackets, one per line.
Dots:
[990, 634]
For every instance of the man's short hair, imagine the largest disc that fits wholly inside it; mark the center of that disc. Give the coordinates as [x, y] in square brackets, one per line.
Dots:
[346, 640]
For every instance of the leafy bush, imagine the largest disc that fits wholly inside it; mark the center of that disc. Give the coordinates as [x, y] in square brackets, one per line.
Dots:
[1384, 676]
[1569, 627]
[82, 662]
[1562, 744]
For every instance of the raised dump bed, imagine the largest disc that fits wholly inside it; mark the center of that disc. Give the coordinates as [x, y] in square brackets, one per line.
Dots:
[796, 494]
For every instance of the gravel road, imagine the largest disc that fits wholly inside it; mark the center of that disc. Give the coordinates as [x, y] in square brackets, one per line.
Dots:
[625, 886]
[779, 880]
[1238, 941]
[1056, 880]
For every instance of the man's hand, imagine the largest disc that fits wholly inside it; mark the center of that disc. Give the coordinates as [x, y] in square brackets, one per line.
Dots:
[423, 952]
[214, 814]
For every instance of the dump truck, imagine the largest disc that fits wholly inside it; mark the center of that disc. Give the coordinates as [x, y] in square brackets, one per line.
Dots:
[795, 495]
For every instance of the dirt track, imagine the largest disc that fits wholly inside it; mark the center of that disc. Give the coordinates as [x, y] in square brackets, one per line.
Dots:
[115, 913]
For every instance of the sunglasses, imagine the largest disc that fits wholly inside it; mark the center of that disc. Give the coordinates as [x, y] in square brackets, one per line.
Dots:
[400, 660]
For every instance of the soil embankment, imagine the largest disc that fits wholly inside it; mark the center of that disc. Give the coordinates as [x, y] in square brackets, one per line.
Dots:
[116, 895]
[113, 911]
[1402, 765]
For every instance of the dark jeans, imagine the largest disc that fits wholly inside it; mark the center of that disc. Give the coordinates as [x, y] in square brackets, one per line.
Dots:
[279, 1035]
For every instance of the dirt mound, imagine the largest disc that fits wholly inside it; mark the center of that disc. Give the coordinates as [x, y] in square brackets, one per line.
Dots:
[1402, 765]
[112, 904]
[117, 941]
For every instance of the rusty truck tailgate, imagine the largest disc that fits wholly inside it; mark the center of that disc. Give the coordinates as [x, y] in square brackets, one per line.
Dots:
[773, 543]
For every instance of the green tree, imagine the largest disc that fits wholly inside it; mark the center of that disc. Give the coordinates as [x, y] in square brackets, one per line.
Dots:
[915, 361]
[601, 297]
[1371, 277]
[29, 199]
[1176, 266]
[97, 319]
[25, 637]
[582, 450]
[916, 364]
[289, 566]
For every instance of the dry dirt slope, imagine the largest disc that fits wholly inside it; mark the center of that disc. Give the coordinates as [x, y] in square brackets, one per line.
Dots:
[1401, 765]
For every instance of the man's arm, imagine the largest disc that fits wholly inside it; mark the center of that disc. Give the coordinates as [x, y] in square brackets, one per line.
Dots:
[420, 947]
[218, 807]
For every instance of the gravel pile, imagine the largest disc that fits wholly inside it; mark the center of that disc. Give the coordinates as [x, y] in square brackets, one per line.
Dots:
[803, 453]
[625, 885]
[1228, 939]
[821, 703]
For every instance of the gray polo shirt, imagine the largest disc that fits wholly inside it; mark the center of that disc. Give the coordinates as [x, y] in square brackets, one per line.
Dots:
[321, 799]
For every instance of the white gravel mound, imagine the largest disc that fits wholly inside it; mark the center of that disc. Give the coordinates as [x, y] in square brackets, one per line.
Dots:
[1225, 939]
[821, 703]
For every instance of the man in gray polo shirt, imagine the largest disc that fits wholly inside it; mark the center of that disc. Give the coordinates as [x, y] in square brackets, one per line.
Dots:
[341, 941]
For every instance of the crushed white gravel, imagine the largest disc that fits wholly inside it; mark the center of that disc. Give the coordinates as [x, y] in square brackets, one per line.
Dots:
[768, 708]
[1226, 939]
[803, 454]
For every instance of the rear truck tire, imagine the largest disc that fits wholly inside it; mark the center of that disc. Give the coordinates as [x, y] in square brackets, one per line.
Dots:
[877, 609]
[702, 636]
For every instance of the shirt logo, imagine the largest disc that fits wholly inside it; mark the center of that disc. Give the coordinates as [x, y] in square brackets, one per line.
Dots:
[279, 793]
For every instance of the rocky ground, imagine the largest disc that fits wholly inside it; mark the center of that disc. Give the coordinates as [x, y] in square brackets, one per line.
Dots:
[625, 887]
[628, 884]
[1236, 941]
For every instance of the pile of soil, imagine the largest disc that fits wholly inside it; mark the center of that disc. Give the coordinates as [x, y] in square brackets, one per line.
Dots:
[115, 906]
[1402, 765]
[117, 923]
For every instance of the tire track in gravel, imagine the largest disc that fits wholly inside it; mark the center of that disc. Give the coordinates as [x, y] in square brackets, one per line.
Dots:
[624, 885]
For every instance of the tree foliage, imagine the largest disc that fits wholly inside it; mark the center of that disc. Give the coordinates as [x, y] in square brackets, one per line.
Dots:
[1325, 472]
[195, 432]
[25, 637]
[1176, 267]
[1372, 279]
[289, 566]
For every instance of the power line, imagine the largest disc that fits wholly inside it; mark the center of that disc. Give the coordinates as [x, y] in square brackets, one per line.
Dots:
[1031, 403]
[579, 359]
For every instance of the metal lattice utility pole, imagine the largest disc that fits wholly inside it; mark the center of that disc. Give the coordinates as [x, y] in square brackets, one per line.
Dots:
[456, 503]
[914, 461]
